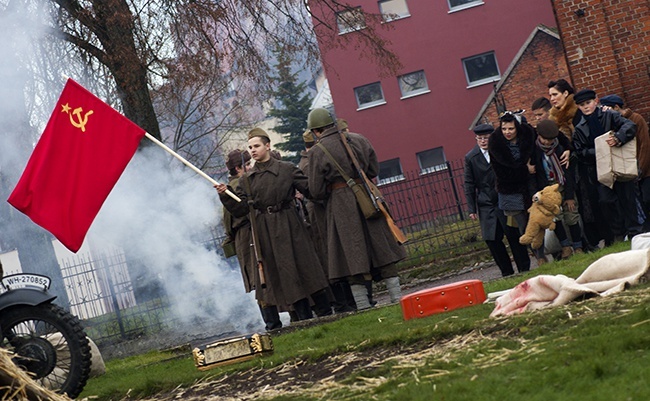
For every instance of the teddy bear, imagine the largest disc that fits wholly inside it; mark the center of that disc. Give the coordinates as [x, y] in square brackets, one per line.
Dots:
[545, 207]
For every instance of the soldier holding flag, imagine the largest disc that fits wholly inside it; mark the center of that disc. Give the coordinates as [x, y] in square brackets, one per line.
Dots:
[290, 265]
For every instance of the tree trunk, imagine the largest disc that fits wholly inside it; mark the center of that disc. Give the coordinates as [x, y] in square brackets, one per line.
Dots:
[115, 30]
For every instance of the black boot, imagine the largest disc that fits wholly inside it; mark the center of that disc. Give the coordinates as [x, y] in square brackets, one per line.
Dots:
[343, 299]
[271, 317]
[322, 306]
[302, 309]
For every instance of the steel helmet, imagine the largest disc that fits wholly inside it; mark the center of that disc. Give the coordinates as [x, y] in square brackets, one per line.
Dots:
[319, 118]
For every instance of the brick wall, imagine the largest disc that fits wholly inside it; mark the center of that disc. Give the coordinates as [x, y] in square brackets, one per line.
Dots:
[542, 61]
[607, 47]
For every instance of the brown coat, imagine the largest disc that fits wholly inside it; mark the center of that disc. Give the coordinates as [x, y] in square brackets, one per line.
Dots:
[354, 244]
[642, 141]
[317, 218]
[291, 266]
[240, 229]
[564, 117]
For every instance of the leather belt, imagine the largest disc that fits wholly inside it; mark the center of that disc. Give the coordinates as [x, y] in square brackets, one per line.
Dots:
[339, 184]
[274, 208]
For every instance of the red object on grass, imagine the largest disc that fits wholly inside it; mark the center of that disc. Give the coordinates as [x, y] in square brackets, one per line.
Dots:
[442, 299]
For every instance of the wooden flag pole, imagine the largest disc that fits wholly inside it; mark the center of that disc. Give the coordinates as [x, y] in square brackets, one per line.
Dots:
[179, 157]
[188, 164]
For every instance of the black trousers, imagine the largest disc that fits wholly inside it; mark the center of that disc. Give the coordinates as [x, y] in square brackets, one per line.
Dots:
[619, 207]
[500, 253]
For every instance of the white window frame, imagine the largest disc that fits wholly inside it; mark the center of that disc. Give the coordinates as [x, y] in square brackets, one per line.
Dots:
[372, 103]
[433, 168]
[347, 21]
[404, 85]
[482, 81]
[393, 178]
[391, 16]
[465, 6]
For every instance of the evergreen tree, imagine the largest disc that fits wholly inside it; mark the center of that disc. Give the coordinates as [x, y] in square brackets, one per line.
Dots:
[294, 105]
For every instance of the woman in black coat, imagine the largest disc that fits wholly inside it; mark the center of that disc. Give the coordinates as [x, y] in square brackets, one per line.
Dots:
[511, 148]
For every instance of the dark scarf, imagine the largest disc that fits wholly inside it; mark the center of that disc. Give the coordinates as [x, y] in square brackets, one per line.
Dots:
[551, 162]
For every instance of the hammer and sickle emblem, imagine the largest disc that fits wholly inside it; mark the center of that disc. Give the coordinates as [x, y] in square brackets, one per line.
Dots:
[80, 122]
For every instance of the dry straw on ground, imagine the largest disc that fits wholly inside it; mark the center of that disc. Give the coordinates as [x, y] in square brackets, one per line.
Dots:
[15, 384]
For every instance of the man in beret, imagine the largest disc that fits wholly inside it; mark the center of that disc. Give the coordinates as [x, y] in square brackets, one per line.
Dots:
[615, 102]
[482, 200]
[618, 204]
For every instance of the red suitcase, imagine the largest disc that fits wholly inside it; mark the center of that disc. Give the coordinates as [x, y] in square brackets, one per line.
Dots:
[442, 299]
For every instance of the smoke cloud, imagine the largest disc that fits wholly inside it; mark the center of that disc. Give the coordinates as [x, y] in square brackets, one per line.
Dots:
[159, 212]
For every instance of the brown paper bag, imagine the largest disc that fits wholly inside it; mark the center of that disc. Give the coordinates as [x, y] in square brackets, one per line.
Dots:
[617, 163]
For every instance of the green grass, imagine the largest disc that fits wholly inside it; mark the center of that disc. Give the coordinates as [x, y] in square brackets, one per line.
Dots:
[595, 349]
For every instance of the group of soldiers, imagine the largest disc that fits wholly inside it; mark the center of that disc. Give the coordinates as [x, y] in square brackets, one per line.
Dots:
[319, 259]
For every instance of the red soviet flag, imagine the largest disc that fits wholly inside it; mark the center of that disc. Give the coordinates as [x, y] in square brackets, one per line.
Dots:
[83, 151]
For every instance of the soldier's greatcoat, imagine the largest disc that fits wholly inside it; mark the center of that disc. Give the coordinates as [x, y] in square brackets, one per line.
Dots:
[317, 218]
[239, 228]
[291, 266]
[354, 244]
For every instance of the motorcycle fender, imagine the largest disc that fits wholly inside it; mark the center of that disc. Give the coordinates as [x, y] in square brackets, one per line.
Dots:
[24, 296]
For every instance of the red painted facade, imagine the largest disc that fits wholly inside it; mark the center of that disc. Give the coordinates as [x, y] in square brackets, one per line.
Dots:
[435, 40]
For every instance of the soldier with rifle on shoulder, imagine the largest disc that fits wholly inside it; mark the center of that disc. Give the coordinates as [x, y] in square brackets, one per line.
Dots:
[356, 245]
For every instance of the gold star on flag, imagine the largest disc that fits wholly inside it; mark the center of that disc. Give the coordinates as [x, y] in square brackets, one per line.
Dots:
[65, 108]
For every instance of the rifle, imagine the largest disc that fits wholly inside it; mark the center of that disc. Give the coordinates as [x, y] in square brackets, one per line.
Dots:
[256, 244]
[373, 193]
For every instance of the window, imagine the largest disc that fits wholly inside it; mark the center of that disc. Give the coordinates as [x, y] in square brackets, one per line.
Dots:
[432, 160]
[350, 20]
[393, 9]
[456, 5]
[481, 69]
[390, 171]
[413, 83]
[369, 95]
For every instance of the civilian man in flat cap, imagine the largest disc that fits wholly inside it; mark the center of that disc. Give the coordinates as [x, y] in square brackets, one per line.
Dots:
[482, 200]
[615, 102]
[617, 205]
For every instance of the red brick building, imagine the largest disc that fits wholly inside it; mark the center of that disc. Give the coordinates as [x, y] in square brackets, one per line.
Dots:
[607, 46]
[452, 53]
[540, 60]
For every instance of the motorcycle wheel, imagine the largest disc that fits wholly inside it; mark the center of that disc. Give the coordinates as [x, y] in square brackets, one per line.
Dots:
[50, 343]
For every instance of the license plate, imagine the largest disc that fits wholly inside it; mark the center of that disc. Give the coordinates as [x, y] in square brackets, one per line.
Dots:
[26, 280]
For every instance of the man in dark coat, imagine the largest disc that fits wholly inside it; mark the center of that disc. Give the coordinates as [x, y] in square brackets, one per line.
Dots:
[615, 103]
[617, 204]
[482, 201]
[317, 217]
[355, 244]
[239, 231]
[291, 267]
